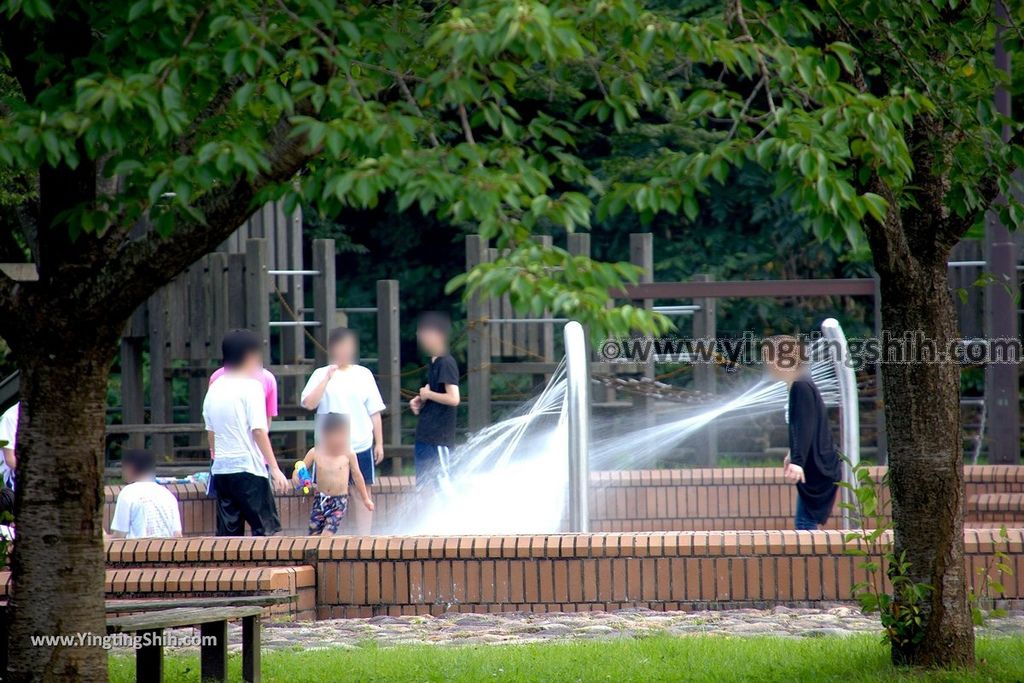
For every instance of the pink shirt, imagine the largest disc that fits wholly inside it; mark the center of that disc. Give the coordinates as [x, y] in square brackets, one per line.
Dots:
[268, 381]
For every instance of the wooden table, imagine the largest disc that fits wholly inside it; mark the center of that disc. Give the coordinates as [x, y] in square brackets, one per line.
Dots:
[213, 626]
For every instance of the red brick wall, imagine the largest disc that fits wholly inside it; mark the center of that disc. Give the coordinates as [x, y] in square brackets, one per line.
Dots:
[662, 571]
[644, 500]
[560, 572]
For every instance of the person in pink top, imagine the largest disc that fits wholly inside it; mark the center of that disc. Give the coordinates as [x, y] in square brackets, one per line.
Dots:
[269, 382]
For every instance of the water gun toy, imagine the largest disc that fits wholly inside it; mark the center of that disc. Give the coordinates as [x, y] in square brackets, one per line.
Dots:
[305, 479]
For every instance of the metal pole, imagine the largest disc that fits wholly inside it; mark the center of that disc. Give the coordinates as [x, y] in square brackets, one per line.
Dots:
[577, 396]
[849, 407]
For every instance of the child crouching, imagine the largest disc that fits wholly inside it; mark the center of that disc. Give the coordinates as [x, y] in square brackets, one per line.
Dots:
[335, 464]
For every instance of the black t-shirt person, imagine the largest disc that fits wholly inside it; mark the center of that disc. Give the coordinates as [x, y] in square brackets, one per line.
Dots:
[435, 430]
[436, 425]
[811, 447]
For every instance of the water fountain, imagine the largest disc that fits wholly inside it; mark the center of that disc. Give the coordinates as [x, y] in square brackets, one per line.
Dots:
[530, 473]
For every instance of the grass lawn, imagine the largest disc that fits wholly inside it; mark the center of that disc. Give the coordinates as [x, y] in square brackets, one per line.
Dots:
[660, 658]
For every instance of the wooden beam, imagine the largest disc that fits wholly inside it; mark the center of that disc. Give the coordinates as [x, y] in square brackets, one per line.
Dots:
[748, 289]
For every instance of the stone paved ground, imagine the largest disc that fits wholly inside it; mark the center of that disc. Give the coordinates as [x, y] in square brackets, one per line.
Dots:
[466, 629]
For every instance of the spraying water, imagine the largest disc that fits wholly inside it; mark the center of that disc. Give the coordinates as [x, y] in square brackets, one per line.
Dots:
[512, 477]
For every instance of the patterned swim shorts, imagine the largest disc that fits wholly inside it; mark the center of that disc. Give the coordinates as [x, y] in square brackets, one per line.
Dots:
[327, 513]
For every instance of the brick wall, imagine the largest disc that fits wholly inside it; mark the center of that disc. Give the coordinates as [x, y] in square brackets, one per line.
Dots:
[651, 500]
[394, 575]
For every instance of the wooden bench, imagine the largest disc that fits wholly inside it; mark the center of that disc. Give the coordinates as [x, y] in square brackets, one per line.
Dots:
[213, 626]
[132, 606]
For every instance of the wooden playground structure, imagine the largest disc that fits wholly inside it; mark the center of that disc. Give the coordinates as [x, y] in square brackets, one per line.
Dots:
[257, 280]
[264, 279]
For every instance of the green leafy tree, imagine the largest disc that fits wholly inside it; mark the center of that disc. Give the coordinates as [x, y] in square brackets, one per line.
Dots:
[877, 119]
[150, 129]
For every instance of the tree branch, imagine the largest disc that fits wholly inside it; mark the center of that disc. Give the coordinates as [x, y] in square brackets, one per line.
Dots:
[217, 105]
[146, 263]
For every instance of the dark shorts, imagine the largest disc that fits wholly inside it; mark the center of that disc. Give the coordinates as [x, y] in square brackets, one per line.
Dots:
[431, 464]
[366, 466]
[327, 513]
[244, 498]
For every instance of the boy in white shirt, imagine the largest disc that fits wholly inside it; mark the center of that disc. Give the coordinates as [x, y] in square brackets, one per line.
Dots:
[349, 389]
[244, 466]
[144, 509]
[9, 434]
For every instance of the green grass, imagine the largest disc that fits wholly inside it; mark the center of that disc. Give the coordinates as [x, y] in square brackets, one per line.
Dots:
[660, 658]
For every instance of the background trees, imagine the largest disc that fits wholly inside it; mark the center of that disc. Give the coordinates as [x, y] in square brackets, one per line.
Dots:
[137, 135]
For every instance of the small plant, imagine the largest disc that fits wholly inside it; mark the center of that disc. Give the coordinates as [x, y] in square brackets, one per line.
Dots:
[988, 583]
[900, 611]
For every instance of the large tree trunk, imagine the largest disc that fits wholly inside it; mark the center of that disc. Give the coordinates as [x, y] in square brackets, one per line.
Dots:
[922, 410]
[58, 564]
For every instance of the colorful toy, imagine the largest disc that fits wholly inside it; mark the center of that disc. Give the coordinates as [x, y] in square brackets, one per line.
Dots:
[304, 477]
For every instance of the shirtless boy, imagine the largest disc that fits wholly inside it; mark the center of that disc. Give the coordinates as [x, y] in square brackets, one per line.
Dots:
[335, 463]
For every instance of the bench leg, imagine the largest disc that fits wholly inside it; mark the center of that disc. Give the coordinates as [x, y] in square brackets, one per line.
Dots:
[5, 635]
[149, 659]
[213, 655]
[251, 646]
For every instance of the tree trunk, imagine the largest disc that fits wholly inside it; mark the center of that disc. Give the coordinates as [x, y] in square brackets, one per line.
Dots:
[922, 410]
[58, 563]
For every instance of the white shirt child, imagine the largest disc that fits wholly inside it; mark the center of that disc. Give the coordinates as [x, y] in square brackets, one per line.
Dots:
[8, 433]
[146, 509]
[233, 407]
[351, 391]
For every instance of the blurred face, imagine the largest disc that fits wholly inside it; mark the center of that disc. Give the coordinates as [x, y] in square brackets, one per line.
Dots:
[129, 474]
[335, 441]
[782, 358]
[253, 362]
[431, 340]
[344, 352]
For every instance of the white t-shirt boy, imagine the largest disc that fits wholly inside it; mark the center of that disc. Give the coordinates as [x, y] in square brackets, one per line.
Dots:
[146, 509]
[233, 407]
[8, 433]
[351, 391]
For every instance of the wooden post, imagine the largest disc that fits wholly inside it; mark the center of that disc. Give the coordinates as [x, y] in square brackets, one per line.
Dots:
[478, 354]
[251, 645]
[149, 659]
[882, 437]
[220, 320]
[257, 292]
[389, 364]
[293, 339]
[704, 379]
[133, 400]
[641, 254]
[1002, 396]
[325, 296]
[133, 396]
[160, 396]
[213, 657]
[198, 305]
